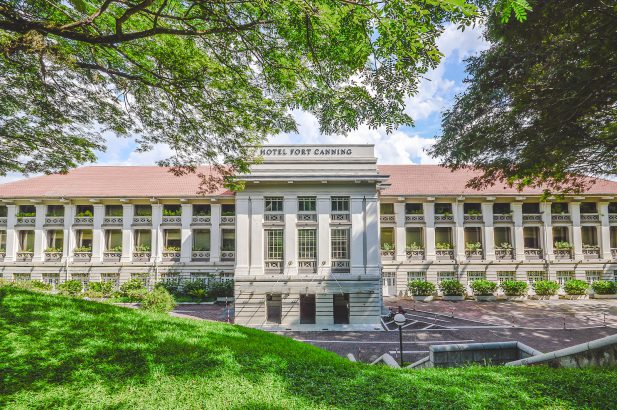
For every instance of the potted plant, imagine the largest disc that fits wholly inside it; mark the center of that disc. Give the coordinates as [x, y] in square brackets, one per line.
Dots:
[563, 245]
[604, 289]
[474, 212]
[545, 289]
[414, 247]
[443, 245]
[452, 289]
[515, 290]
[86, 213]
[575, 289]
[483, 290]
[421, 290]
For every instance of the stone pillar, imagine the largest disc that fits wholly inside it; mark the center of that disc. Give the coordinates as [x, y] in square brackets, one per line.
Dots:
[39, 234]
[98, 234]
[11, 233]
[186, 239]
[156, 246]
[290, 260]
[215, 231]
[373, 253]
[357, 236]
[577, 236]
[257, 235]
[547, 235]
[127, 232]
[489, 231]
[242, 235]
[605, 231]
[69, 241]
[400, 235]
[519, 239]
[429, 229]
[459, 230]
[323, 232]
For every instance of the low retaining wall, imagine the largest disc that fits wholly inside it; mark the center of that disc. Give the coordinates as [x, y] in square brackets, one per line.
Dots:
[597, 353]
[453, 355]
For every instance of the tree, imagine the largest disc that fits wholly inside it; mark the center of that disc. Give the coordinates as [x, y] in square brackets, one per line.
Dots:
[541, 105]
[208, 78]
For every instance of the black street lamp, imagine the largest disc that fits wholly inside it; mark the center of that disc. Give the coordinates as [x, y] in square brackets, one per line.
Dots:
[400, 320]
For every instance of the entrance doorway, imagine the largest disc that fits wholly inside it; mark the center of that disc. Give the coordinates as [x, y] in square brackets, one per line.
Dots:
[388, 283]
[274, 308]
[341, 309]
[307, 309]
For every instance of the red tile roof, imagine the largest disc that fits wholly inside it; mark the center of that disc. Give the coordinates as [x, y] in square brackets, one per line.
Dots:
[109, 181]
[154, 181]
[435, 180]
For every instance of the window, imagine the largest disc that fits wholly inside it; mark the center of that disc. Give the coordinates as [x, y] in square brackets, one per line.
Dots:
[228, 210]
[55, 239]
[228, 240]
[143, 210]
[559, 208]
[564, 276]
[83, 278]
[3, 211]
[442, 208]
[172, 210]
[531, 237]
[21, 277]
[201, 240]
[51, 278]
[113, 210]
[446, 276]
[531, 208]
[589, 235]
[55, 210]
[274, 308]
[2, 240]
[473, 235]
[84, 238]
[307, 204]
[143, 276]
[592, 276]
[340, 244]
[340, 203]
[443, 236]
[534, 276]
[200, 277]
[386, 209]
[471, 208]
[503, 276]
[307, 244]
[613, 236]
[202, 210]
[113, 277]
[387, 238]
[560, 234]
[26, 241]
[589, 208]
[501, 208]
[502, 236]
[113, 240]
[411, 209]
[415, 238]
[274, 244]
[172, 240]
[84, 211]
[612, 208]
[170, 277]
[143, 240]
[28, 210]
[475, 275]
[416, 276]
[274, 204]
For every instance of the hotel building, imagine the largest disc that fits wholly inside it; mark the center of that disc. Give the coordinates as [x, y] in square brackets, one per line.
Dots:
[315, 240]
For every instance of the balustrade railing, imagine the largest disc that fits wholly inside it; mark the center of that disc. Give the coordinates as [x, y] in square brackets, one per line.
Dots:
[171, 220]
[340, 266]
[54, 220]
[277, 217]
[414, 218]
[474, 254]
[112, 220]
[561, 254]
[200, 255]
[560, 218]
[201, 220]
[24, 256]
[228, 255]
[171, 256]
[228, 220]
[591, 252]
[26, 220]
[83, 220]
[111, 256]
[307, 217]
[612, 217]
[472, 218]
[142, 220]
[3, 220]
[388, 254]
[387, 218]
[339, 217]
[140, 256]
[307, 266]
[444, 254]
[502, 218]
[444, 218]
[590, 218]
[614, 253]
[532, 217]
[415, 254]
[504, 254]
[2, 255]
[533, 253]
[82, 256]
[53, 256]
[273, 266]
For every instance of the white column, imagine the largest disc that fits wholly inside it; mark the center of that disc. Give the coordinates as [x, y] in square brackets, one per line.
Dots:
[323, 232]
[11, 233]
[547, 217]
[39, 239]
[98, 235]
[215, 232]
[157, 233]
[290, 207]
[605, 231]
[127, 232]
[400, 236]
[242, 234]
[459, 230]
[519, 240]
[257, 235]
[186, 239]
[429, 230]
[489, 231]
[577, 236]
[373, 254]
[68, 244]
[357, 236]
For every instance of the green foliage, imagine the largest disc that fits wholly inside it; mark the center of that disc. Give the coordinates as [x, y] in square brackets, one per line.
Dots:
[540, 106]
[483, 287]
[228, 213]
[604, 287]
[575, 287]
[414, 247]
[159, 300]
[196, 289]
[387, 247]
[443, 245]
[545, 287]
[222, 288]
[474, 212]
[142, 248]
[452, 287]
[53, 250]
[71, 287]
[83, 249]
[514, 287]
[172, 249]
[133, 289]
[172, 212]
[473, 246]
[35, 285]
[20, 215]
[115, 249]
[105, 288]
[504, 245]
[86, 213]
[421, 288]
[517, 7]
[563, 245]
[173, 288]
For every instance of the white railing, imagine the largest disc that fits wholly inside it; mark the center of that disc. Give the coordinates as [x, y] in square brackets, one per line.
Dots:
[560, 217]
[201, 220]
[112, 256]
[140, 256]
[307, 266]
[614, 253]
[339, 217]
[444, 218]
[590, 218]
[54, 220]
[112, 220]
[591, 252]
[228, 255]
[612, 217]
[26, 220]
[532, 217]
[273, 266]
[171, 256]
[414, 218]
[200, 255]
[502, 218]
[388, 254]
[142, 220]
[24, 256]
[444, 253]
[171, 220]
[474, 254]
[307, 217]
[277, 217]
[563, 253]
[228, 220]
[533, 253]
[415, 254]
[340, 265]
[83, 220]
[472, 218]
[504, 254]
[387, 218]
[82, 256]
[3, 220]
[53, 256]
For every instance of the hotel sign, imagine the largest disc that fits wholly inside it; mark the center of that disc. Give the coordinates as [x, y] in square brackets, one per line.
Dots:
[281, 152]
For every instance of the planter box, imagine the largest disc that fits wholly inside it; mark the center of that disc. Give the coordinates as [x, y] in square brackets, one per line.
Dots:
[544, 297]
[454, 298]
[517, 298]
[575, 297]
[486, 298]
[422, 298]
[596, 296]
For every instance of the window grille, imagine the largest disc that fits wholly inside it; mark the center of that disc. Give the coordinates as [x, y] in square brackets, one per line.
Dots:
[533, 276]
[274, 244]
[340, 203]
[416, 276]
[503, 276]
[307, 204]
[564, 276]
[307, 244]
[274, 204]
[340, 243]
[475, 275]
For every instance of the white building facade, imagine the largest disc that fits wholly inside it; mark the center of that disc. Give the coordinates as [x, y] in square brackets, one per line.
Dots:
[315, 239]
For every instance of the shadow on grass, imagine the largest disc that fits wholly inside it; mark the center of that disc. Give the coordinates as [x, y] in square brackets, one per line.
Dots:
[49, 344]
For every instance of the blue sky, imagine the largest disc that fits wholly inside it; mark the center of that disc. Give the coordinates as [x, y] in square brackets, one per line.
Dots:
[405, 145]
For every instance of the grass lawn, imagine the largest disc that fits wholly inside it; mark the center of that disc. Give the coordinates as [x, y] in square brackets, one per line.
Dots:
[59, 352]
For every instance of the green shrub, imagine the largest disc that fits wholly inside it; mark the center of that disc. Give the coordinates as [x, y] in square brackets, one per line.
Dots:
[483, 287]
[421, 288]
[38, 285]
[71, 287]
[171, 287]
[545, 287]
[159, 300]
[452, 287]
[105, 288]
[604, 287]
[196, 289]
[576, 287]
[224, 288]
[514, 287]
[133, 289]
[443, 245]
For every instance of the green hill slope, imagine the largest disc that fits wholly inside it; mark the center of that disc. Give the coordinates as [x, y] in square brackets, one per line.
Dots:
[61, 352]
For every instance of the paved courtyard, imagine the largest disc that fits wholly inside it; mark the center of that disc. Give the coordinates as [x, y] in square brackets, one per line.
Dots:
[543, 325]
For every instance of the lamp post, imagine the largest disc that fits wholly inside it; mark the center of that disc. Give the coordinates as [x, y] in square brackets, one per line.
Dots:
[400, 320]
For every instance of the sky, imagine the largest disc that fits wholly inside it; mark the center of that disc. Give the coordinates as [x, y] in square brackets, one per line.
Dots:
[406, 145]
